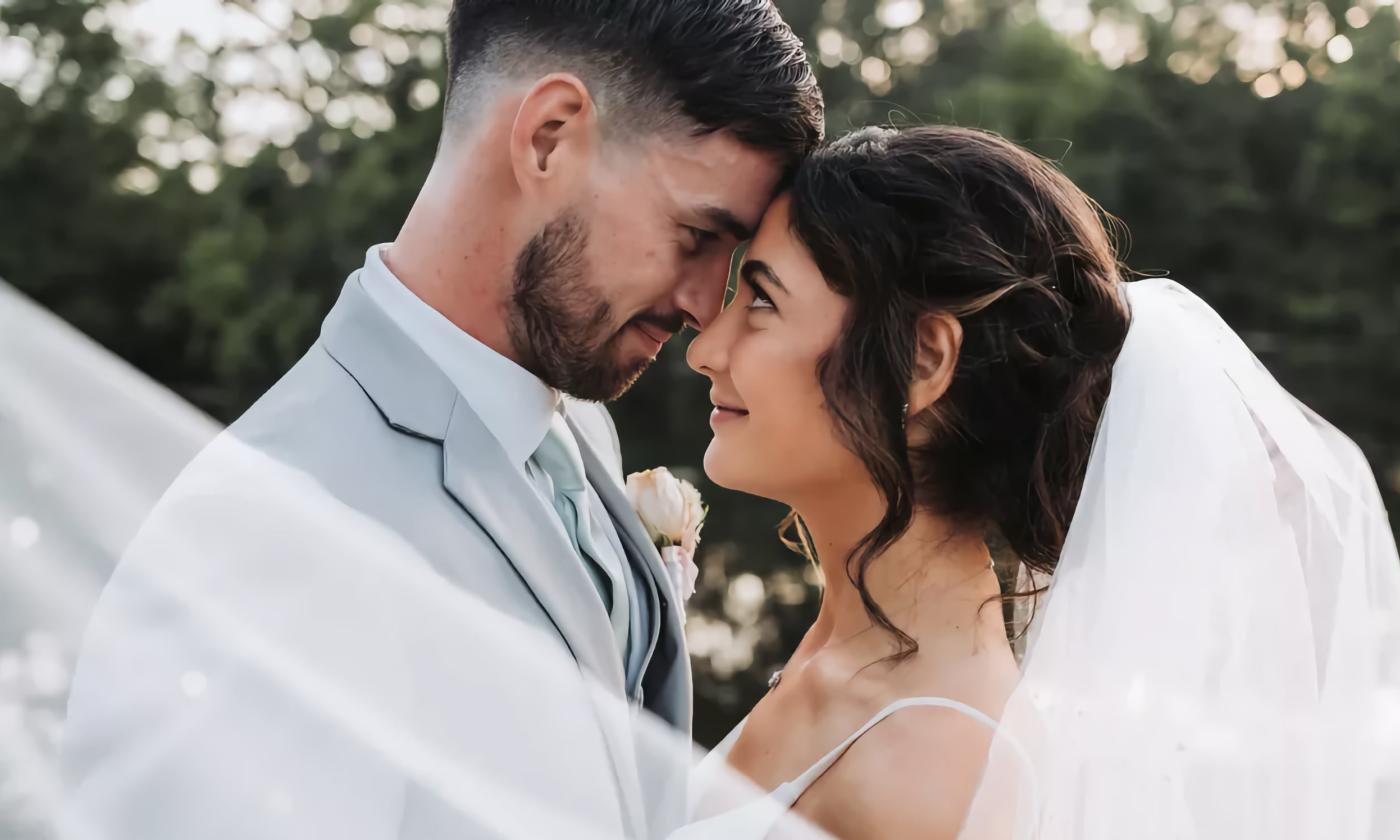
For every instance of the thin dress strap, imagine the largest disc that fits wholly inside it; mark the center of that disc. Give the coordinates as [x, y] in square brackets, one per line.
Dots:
[790, 792]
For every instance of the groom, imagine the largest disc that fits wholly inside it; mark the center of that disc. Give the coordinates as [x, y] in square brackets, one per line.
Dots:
[288, 677]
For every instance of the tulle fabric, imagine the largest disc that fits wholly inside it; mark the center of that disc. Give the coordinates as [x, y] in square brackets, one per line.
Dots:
[87, 445]
[269, 664]
[1218, 655]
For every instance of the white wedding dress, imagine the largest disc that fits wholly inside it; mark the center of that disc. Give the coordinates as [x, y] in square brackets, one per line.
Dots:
[758, 818]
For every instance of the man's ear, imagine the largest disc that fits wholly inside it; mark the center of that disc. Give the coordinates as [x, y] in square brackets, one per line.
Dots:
[938, 338]
[555, 129]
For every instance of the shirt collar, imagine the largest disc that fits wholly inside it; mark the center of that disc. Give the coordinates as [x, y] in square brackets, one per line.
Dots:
[514, 404]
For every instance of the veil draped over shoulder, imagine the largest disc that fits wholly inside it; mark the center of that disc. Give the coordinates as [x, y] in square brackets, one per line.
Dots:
[1218, 653]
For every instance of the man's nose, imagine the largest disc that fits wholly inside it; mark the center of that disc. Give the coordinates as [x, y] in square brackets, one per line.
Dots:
[701, 292]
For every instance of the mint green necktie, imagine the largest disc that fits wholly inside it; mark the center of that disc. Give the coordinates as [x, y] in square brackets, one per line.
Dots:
[560, 458]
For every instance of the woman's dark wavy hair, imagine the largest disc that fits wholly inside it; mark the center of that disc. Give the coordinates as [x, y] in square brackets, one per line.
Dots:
[939, 219]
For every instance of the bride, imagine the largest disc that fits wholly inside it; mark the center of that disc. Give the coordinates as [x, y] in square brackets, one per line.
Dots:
[933, 344]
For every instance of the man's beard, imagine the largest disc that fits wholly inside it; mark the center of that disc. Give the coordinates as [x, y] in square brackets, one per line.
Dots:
[559, 325]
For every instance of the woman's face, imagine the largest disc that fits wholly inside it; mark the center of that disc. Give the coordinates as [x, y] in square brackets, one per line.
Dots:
[773, 434]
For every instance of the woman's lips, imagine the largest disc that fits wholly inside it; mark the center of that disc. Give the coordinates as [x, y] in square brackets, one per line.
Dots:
[724, 414]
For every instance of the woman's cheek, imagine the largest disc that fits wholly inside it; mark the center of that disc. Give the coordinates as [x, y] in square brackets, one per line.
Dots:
[783, 398]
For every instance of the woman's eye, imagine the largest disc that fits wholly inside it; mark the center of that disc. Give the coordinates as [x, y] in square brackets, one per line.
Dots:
[760, 298]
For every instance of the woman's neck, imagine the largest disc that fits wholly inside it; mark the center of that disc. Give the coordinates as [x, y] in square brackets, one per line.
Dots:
[934, 582]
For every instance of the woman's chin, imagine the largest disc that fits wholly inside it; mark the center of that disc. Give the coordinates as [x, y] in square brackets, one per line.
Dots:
[731, 469]
[721, 468]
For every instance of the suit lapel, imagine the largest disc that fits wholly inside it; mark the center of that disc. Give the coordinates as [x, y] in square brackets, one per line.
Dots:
[500, 498]
[415, 397]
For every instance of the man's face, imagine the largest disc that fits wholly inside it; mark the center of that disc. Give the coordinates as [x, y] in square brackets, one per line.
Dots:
[642, 253]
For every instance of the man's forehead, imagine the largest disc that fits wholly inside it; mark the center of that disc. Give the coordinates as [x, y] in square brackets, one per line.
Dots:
[711, 150]
[716, 172]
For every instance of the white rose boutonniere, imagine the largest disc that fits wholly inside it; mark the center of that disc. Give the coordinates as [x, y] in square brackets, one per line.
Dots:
[672, 511]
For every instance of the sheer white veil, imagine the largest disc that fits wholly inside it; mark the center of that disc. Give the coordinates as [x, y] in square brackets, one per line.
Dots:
[87, 444]
[1218, 653]
[208, 698]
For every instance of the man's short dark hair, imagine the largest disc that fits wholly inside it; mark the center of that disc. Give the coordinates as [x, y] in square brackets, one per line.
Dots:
[651, 65]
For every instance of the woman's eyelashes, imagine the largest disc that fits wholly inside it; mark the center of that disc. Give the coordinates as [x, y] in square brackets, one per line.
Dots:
[760, 299]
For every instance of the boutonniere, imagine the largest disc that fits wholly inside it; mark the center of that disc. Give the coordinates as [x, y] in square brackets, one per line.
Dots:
[672, 511]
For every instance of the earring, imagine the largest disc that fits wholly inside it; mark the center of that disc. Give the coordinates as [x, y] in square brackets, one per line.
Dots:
[904, 418]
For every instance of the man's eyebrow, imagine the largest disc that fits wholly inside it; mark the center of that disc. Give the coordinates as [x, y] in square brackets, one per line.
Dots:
[764, 270]
[722, 218]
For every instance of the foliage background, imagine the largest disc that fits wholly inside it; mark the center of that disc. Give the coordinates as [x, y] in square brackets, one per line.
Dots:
[195, 204]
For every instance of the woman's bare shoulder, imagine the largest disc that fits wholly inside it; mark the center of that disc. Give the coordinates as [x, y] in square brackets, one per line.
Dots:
[913, 775]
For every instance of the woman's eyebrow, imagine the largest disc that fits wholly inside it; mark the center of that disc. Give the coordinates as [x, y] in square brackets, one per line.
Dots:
[753, 269]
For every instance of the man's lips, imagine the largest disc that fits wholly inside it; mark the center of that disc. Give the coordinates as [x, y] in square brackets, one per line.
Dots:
[651, 338]
[653, 332]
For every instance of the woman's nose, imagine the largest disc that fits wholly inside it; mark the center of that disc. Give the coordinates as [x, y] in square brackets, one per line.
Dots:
[708, 353]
